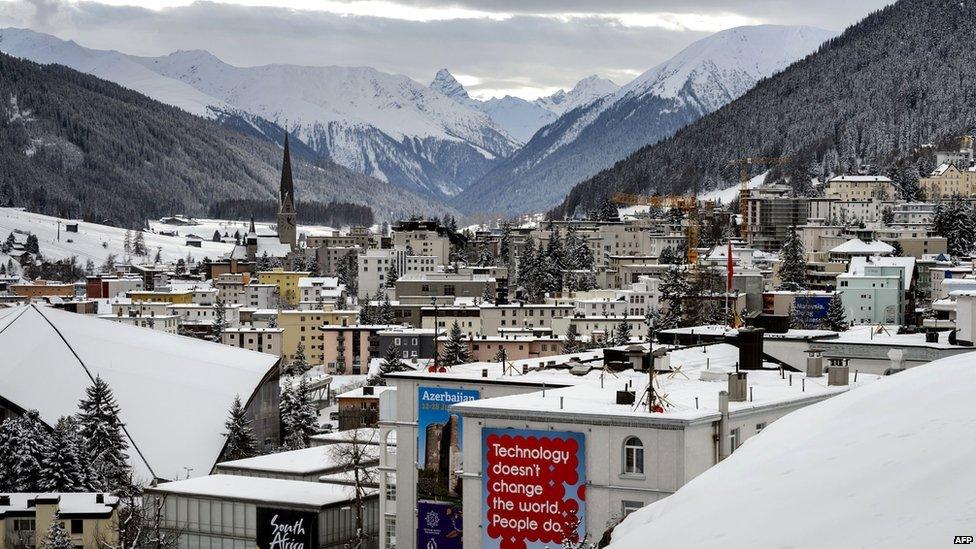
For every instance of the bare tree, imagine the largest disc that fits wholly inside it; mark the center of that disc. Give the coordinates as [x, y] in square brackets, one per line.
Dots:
[356, 456]
[140, 524]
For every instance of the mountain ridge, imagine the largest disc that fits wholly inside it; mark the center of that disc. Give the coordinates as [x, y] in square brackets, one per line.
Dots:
[653, 106]
[888, 85]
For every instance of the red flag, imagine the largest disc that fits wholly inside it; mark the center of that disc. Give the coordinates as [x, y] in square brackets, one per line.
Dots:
[728, 281]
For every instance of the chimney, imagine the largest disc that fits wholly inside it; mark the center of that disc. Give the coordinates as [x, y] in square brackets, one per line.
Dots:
[99, 498]
[738, 387]
[625, 397]
[484, 372]
[4, 500]
[838, 372]
[635, 354]
[750, 348]
[815, 363]
[367, 390]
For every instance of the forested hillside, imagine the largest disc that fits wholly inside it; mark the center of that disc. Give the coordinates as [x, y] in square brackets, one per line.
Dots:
[74, 145]
[901, 78]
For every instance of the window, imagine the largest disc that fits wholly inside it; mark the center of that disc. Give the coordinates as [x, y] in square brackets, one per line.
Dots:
[736, 437]
[760, 427]
[77, 526]
[633, 456]
[390, 541]
[628, 507]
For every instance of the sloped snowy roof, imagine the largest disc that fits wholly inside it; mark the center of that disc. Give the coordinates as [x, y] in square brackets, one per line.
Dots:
[173, 391]
[82, 503]
[886, 465]
[857, 265]
[259, 490]
[858, 246]
[306, 461]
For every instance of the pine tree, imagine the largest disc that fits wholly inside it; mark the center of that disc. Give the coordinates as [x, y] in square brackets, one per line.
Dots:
[621, 334]
[673, 288]
[57, 537]
[105, 444]
[555, 261]
[299, 362]
[456, 348]
[488, 296]
[956, 221]
[24, 443]
[392, 275]
[64, 465]
[504, 258]
[32, 246]
[836, 317]
[220, 318]
[573, 343]
[216, 236]
[793, 265]
[367, 313]
[299, 418]
[386, 313]
[139, 244]
[501, 355]
[127, 243]
[240, 438]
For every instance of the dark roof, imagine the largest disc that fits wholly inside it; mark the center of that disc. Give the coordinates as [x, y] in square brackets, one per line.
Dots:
[287, 185]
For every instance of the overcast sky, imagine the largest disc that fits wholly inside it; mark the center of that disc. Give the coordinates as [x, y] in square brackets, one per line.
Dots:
[495, 47]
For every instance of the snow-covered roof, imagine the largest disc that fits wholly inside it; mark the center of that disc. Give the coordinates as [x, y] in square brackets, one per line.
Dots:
[857, 265]
[359, 393]
[83, 503]
[883, 466]
[258, 490]
[173, 391]
[860, 178]
[692, 393]
[311, 281]
[307, 461]
[858, 246]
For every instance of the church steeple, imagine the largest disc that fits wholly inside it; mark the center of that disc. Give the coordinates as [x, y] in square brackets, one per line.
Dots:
[287, 216]
[287, 185]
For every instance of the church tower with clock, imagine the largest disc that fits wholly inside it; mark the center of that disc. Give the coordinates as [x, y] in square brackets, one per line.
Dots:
[287, 216]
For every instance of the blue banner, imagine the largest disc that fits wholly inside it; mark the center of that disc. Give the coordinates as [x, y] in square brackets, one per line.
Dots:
[438, 525]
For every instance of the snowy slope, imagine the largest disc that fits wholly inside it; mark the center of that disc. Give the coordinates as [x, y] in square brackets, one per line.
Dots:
[109, 65]
[583, 141]
[383, 125]
[521, 118]
[585, 92]
[886, 465]
[96, 242]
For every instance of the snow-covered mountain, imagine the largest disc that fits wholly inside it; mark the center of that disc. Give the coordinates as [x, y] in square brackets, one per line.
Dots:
[108, 65]
[383, 125]
[700, 79]
[522, 118]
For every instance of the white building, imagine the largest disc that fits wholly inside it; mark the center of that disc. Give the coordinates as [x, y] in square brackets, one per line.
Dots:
[168, 323]
[374, 265]
[262, 340]
[594, 422]
[261, 296]
[204, 315]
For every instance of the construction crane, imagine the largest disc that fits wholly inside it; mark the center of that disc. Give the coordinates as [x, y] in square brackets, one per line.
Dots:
[687, 204]
[745, 165]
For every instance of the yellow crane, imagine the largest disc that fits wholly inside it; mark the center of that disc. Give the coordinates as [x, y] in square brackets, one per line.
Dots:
[685, 203]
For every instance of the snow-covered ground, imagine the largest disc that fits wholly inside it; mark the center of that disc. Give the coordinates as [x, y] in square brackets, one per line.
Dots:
[887, 465]
[723, 196]
[96, 242]
[205, 228]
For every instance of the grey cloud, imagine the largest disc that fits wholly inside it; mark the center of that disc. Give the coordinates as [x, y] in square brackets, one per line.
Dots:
[542, 51]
